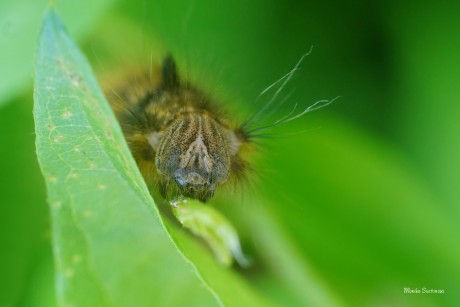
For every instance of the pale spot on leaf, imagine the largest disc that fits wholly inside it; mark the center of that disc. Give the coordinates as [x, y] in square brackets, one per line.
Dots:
[56, 204]
[92, 165]
[68, 273]
[76, 259]
[58, 139]
[66, 114]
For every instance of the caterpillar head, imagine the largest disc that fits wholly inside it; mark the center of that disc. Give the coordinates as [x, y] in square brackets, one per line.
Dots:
[196, 149]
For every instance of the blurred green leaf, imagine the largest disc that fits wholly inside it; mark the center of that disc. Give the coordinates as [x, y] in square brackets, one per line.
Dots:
[23, 210]
[19, 27]
[19, 24]
[365, 220]
[428, 114]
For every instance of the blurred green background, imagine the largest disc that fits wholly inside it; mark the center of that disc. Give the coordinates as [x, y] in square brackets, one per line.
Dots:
[367, 190]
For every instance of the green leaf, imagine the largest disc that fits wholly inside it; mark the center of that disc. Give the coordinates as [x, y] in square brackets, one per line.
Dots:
[110, 246]
[209, 224]
[365, 220]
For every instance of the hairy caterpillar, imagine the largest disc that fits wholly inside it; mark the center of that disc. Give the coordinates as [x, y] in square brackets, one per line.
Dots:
[185, 145]
[180, 139]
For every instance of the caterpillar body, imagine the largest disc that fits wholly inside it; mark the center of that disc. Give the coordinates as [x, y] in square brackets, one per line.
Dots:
[180, 139]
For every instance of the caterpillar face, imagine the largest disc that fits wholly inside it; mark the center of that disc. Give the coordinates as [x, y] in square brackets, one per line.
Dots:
[181, 142]
[196, 151]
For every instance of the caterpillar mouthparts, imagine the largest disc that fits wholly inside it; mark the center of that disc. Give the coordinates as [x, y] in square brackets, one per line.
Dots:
[182, 144]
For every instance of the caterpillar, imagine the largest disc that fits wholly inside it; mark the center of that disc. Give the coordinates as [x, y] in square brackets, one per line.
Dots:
[181, 140]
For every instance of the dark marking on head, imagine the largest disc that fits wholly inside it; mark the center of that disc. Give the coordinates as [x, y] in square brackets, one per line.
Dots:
[169, 73]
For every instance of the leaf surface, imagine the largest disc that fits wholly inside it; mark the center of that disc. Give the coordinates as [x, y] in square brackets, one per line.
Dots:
[110, 245]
